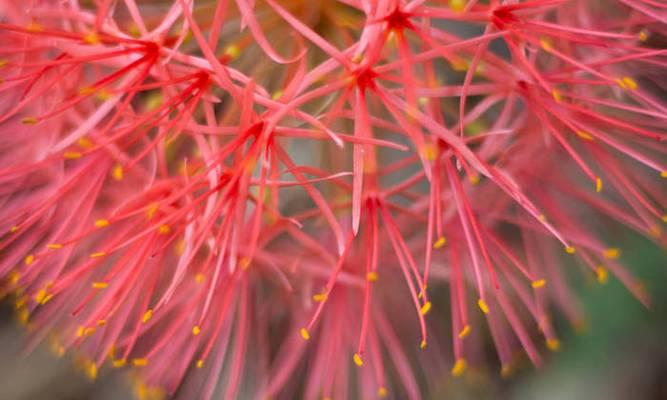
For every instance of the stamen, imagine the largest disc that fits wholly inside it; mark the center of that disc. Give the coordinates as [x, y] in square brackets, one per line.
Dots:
[100, 285]
[304, 334]
[54, 246]
[117, 172]
[459, 367]
[101, 223]
[72, 155]
[612, 253]
[570, 250]
[357, 360]
[196, 330]
[483, 306]
[601, 274]
[553, 344]
[465, 332]
[320, 297]
[147, 316]
[372, 276]
[29, 259]
[538, 283]
[140, 362]
[426, 308]
[440, 242]
[382, 392]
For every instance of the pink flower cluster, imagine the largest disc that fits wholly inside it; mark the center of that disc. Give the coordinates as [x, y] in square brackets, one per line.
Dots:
[318, 198]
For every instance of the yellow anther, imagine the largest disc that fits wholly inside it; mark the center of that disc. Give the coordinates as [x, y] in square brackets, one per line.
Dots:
[120, 363]
[100, 285]
[13, 229]
[200, 363]
[506, 371]
[80, 331]
[72, 155]
[553, 344]
[465, 332]
[103, 95]
[140, 362]
[598, 185]
[87, 90]
[23, 316]
[584, 135]
[85, 143]
[457, 5]
[101, 322]
[277, 94]
[3, 62]
[601, 274]
[538, 283]
[304, 334]
[357, 360]
[91, 371]
[54, 246]
[164, 229]
[117, 172]
[643, 35]
[88, 331]
[426, 308]
[179, 247]
[423, 345]
[199, 278]
[557, 96]
[232, 51]
[91, 38]
[429, 151]
[459, 64]
[320, 297]
[459, 367]
[483, 306]
[34, 27]
[663, 174]
[372, 276]
[244, 263]
[29, 259]
[147, 316]
[14, 277]
[42, 296]
[29, 121]
[152, 209]
[542, 218]
[196, 330]
[101, 223]
[473, 179]
[570, 250]
[440, 242]
[546, 44]
[154, 101]
[382, 392]
[98, 254]
[629, 83]
[612, 253]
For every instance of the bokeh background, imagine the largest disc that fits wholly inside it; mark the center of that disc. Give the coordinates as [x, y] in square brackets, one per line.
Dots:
[621, 354]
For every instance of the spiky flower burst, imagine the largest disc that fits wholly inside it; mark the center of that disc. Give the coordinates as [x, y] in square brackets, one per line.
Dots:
[246, 199]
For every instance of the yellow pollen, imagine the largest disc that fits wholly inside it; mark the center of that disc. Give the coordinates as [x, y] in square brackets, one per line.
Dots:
[85, 143]
[473, 179]
[538, 283]
[91, 371]
[54, 246]
[101, 223]
[147, 316]
[630, 83]
[103, 95]
[429, 152]
[200, 363]
[23, 317]
[14, 277]
[440, 242]
[244, 263]
[232, 51]
[425, 308]
[372, 276]
[3, 62]
[598, 185]
[663, 174]
[277, 95]
[91, 38]
[483, 306]
[87, 90]
[465, 332]
[556, 95]
[553, 344]
[570, 250]
[29, 121]
[164, 229]
[140, 362]
[382, 392]
[304, 334]
[357, 360]
[612, 253]
[98, 254]
[13, 229]
[602, 275]
[152, 209]
[584, 135]
[29, 259]
[42, 296]
[643, 35]
[88, 331]
[320, 297]
[542, 218]
[459, 367]
[546, 44]
[199, 278]
[117, 172]
[457, 5]
[120, 363]
[72, 155]
[100, 285]
[196, 330]
[423, 344]
[80, 331]
[34, 27]
[101, 322]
